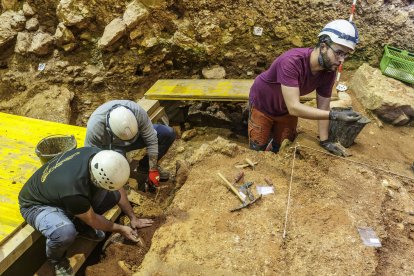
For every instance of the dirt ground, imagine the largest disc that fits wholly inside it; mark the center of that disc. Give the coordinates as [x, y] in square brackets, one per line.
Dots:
[330, 198]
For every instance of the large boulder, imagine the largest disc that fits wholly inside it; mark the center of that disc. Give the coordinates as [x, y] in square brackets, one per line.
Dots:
[389, 99]
[52, 105]
[23, 42]
[73, 13]
[113, 31]
[134, 14]
[11, 22]
[42, 44]
[214, 72]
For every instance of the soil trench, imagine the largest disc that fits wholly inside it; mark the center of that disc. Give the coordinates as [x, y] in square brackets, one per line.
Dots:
[330, 199]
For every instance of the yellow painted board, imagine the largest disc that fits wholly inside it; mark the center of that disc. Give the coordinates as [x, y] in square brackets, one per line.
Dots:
[208, 90]
[196, 89]
[18, 161]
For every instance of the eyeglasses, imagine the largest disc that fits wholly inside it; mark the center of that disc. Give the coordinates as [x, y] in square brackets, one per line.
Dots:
[339, 53]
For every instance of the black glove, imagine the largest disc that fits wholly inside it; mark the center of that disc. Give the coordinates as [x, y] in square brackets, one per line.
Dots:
[345, 115]
[333, 148]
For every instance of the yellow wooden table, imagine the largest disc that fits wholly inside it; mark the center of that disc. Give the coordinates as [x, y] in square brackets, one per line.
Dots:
[18, 161]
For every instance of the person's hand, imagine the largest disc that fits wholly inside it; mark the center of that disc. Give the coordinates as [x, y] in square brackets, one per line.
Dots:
[140, 223]
[154, 177]
[129, 233]
[345, 115]
[333, 148]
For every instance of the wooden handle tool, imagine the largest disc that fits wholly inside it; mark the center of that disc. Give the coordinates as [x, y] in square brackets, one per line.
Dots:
[240, 195]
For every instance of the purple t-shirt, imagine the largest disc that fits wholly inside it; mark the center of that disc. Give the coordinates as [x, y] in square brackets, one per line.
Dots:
[292, 69]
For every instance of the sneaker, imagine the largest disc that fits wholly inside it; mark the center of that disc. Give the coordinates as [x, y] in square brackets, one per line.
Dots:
[63, 268]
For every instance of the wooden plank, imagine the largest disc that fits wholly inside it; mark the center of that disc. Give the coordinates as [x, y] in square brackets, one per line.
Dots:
[210, 90]
[80, 250]
[157, 114]
[196, 89]
[13, 248]
[149, 105]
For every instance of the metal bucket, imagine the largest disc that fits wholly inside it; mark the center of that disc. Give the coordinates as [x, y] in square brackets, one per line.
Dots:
[53, 145]
[346, 132]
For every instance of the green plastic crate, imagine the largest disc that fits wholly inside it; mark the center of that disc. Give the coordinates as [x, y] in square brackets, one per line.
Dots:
[398, 64]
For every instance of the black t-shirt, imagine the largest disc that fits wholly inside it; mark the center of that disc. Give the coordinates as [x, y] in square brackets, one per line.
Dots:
[63, 182]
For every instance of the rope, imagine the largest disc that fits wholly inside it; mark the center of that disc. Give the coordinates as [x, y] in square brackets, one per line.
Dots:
[290, 188]
[357, 162]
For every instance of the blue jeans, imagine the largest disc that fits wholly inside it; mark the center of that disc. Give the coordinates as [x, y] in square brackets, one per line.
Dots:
[166, 137]
[57, 225]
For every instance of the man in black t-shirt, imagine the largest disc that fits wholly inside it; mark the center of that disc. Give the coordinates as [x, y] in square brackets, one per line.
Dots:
[70, 193]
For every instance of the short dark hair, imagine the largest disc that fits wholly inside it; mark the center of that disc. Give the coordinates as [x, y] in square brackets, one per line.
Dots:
[324, 39]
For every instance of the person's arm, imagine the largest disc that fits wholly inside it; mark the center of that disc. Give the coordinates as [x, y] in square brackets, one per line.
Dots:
[323, 104]
[296, 108]
[127, 209]
[101, 223]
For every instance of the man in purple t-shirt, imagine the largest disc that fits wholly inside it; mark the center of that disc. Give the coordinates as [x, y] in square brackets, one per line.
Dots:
[274, 96]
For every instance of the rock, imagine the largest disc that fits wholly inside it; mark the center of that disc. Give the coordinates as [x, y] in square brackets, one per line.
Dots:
[113, 31]
[219, 145]
[344, 100]
[181, 173]
[18, 21]
[154, 3]
[98, 80]
[41, 44]
[23, 42]
[8, 4]
[209, 115]
[32, 24]
[297, 41]
[389, 99]
[281, 32]
[63, 35]
[91, 71]
[52, 105]
[69, 47]
[214, 72]
[135, 13]
[180, 149]
[188, 134]
[28, 10]
[86, 36]
[8, 26]
[73, 13]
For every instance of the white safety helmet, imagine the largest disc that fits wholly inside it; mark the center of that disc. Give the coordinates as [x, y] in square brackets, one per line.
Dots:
[341, 32]
[110, 170]
[122, 122]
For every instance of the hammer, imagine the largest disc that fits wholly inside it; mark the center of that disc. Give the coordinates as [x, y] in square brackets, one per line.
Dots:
[246, 200]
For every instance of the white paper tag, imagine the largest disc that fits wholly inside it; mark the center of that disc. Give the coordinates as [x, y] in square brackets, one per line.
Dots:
[242, 195]
[374, 240]
[257, 31]
[41, 66]
[265, 190]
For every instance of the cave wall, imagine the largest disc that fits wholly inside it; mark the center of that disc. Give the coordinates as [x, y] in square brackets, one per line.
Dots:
[176, 39]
